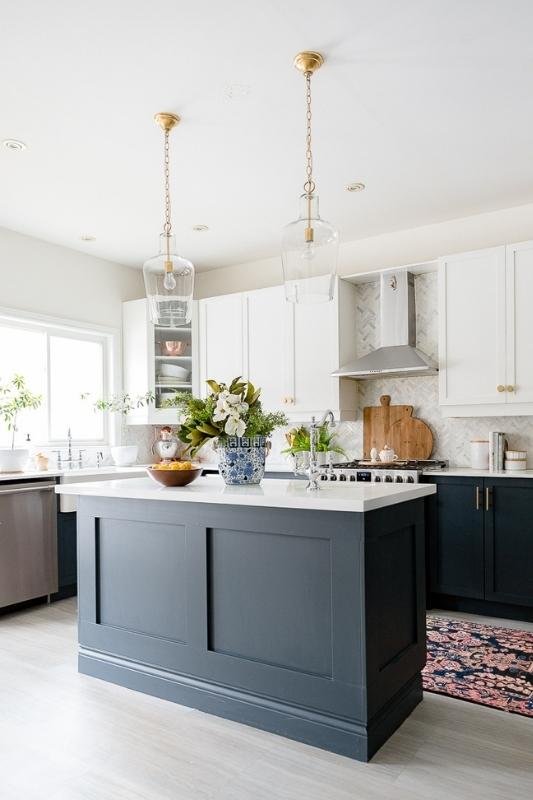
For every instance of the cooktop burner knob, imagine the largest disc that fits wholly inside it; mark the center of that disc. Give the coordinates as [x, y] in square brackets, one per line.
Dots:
[388, 478]
[377, 479]
[398, 479]
[342, 477]
[323, 477]
[333, 478]
[410, 479]
[352, 477]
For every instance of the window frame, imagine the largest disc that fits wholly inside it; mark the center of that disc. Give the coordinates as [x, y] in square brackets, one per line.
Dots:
[109, 338]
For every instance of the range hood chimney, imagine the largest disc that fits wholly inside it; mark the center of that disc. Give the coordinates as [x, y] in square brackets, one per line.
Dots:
[397, 357]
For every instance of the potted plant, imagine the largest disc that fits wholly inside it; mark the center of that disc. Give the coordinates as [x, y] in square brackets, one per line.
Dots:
[14, 398]
[123, 455]
[299, 441]
[232, 416]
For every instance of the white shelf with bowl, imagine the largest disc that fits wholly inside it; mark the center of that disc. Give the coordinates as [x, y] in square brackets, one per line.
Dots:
[146, 357]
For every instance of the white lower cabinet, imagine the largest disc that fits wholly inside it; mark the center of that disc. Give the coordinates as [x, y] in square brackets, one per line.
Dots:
[288, 351]
[485, 339]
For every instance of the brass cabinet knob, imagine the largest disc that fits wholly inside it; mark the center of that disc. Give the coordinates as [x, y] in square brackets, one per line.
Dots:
[500, 387]
[510, 388]
[290, 401]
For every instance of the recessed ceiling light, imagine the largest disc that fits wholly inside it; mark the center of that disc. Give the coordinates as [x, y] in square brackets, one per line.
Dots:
[14, 144]
[87, 237]
[200, 228]
[355, 187]
[236, 91]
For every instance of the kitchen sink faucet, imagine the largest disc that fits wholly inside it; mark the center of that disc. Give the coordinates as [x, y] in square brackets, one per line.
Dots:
[312, 472]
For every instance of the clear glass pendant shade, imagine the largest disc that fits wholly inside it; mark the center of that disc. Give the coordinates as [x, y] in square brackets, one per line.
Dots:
[309, 252]
[169, 283]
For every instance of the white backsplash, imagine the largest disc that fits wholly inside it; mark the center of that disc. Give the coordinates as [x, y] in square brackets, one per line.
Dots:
[452, 436]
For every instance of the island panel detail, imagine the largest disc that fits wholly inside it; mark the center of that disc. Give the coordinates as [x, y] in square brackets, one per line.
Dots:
[309, 624]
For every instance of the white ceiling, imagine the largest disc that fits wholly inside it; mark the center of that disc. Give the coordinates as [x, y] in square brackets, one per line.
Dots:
[429, 103]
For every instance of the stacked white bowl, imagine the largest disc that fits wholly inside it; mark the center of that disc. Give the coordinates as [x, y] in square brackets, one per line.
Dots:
[515, 460]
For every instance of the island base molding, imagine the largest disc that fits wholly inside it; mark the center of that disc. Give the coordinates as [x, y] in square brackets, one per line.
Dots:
[339, 736]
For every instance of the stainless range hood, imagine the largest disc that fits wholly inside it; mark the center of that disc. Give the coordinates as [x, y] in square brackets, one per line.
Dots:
[397, 357]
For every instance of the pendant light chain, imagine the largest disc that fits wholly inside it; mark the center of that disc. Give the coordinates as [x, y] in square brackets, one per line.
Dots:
[309, 185]
[168, 222]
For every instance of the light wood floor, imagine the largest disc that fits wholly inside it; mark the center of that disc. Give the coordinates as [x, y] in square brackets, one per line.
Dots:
[64, 736]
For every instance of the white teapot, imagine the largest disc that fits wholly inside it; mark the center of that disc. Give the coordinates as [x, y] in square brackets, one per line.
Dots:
[387, 455]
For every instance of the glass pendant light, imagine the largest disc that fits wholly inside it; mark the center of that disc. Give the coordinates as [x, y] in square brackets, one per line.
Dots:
[310, 245]
[168, 277]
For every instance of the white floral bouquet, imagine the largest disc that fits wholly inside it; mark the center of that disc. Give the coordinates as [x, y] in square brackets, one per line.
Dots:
[229, 411]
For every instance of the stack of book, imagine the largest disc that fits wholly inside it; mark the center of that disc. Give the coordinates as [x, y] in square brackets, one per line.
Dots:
[497, 447]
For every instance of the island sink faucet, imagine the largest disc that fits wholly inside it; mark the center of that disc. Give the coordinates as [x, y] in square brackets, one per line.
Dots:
[312, 472]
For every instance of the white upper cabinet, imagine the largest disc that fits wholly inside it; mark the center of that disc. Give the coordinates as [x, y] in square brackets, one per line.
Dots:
[485, 343]
[288, 351]
[267, 320]
[145, 357]
[519, 309]
[221, 340]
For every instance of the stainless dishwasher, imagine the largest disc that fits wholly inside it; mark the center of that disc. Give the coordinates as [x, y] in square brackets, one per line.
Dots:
[28, 541]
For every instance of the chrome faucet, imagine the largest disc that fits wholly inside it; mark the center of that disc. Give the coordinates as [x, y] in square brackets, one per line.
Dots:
[312, 471]
[70, 461]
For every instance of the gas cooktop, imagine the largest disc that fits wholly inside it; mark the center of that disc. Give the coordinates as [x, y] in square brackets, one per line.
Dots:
[407, 471]
[412, 463]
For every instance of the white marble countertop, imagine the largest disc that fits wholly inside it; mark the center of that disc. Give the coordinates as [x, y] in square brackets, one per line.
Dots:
[468, 472]
[85, 472]
[273, 494]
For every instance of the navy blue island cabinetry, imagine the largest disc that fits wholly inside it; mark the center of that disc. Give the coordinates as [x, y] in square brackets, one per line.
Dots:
[480, 545]
[281, 614]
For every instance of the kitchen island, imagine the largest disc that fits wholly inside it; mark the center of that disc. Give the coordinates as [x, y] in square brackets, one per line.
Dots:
[301, 614]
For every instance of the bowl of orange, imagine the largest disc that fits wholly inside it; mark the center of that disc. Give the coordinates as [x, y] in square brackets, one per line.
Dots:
[174, 473]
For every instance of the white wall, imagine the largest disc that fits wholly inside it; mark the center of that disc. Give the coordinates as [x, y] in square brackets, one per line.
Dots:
[394, 249]
[49, 279]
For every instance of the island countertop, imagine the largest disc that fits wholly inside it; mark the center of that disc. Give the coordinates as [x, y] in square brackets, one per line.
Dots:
[271, 493]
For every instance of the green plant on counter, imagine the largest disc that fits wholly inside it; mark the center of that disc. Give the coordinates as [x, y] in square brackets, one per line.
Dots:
[14, 398]
[230, 410]
[299, 441]
[121, 403]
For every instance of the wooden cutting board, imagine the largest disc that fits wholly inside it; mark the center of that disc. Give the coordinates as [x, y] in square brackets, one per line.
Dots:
[410, 437]
[395, 425]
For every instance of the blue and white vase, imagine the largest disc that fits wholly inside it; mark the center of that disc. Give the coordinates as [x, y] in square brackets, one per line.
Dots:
[241, 459]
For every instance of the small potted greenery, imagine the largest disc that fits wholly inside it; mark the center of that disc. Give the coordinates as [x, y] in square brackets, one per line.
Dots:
[123, 455]
[233, 418]
[15, 397]
[299, 441]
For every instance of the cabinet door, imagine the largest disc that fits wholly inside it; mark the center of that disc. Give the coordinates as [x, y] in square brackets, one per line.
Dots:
[509, 541]
[314, 354]
[221, 339]
[268, 318]
[455, 533]
[472, 328]
[519, 280]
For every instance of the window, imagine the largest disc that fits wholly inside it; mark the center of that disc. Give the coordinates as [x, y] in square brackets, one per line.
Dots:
[61, 363]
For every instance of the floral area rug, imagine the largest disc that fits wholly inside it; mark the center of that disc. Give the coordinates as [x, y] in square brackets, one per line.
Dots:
[480, 663]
